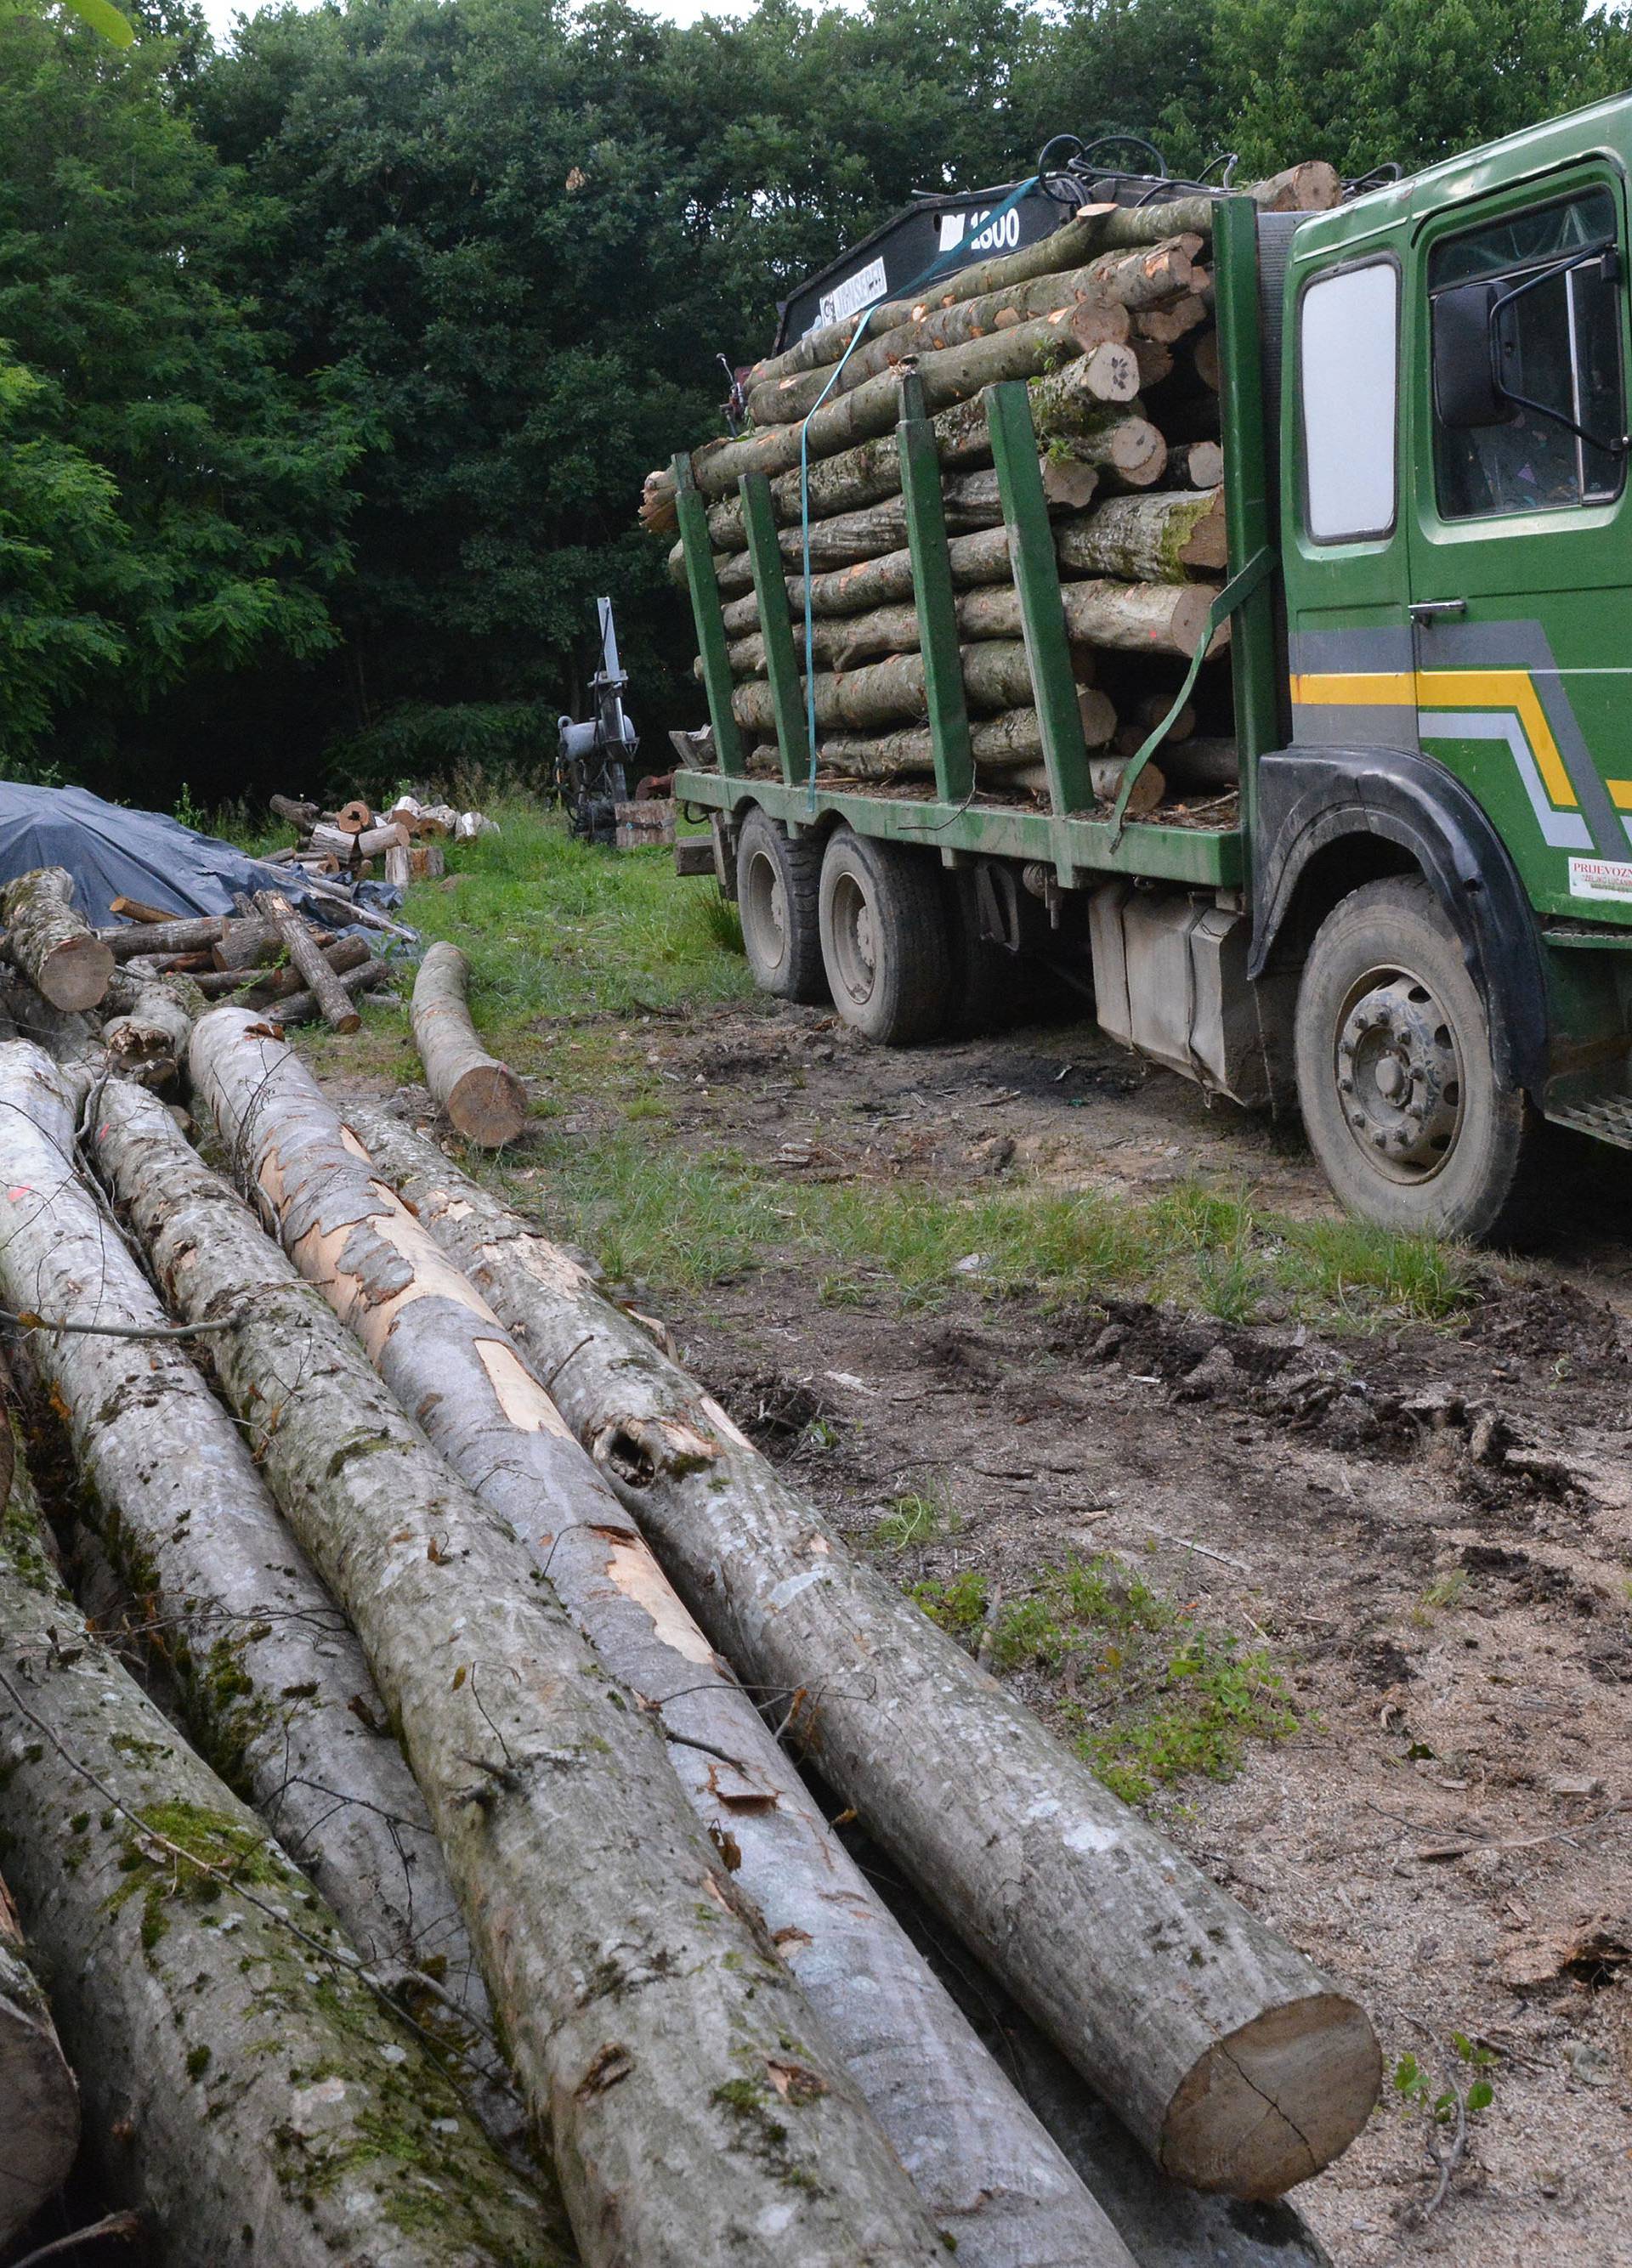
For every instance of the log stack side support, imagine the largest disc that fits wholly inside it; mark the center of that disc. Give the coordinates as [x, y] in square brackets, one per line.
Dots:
[704, 583]
[937, 610]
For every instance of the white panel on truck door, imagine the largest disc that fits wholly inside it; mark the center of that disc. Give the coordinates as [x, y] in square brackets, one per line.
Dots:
[1349, 364]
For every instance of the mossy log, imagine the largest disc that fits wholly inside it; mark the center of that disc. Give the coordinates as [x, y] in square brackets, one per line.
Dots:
[980, 2163]
[1237, 2063]
[1118, 437]
[52, 943]
[241, 2081]
[957, 374]
[39, 2100]
[275, 1688]
[649, 2018]
[1162, 537]
[483, 1098]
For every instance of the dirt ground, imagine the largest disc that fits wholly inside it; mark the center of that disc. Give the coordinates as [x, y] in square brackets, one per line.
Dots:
[1430, 1528]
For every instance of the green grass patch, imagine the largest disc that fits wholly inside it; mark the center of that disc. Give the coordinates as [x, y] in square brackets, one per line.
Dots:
[1147, 1695]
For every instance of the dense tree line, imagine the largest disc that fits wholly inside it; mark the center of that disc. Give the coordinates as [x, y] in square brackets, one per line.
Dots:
[330, 365]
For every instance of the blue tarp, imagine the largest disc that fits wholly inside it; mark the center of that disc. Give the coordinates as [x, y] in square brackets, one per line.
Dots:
[112, 853]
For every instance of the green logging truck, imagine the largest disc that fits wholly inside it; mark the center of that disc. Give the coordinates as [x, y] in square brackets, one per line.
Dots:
[1397, 886]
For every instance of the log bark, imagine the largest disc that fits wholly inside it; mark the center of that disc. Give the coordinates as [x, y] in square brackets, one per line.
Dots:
[997, 743]
[980, 2163]
[337, 843]
[275, 1686]
[958, 374]
[39, 2100]
[996, 676]
[1120, 439]
[1202, 764]
[52, 943]
[297, 815]
[1237, 2063]
[1161, 537]
[648, 2018]
[244, 944]
[343, 956]
[237, 2073]
[339, 1010]
[794, 397]
[303, 1007]
[137, 910]
[148, 1040]
[483, 1098]
[399, 867]
[374, 842]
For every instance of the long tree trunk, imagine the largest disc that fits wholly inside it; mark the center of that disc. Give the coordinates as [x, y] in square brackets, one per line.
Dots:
[1237, 2064]
[998, 742]
[188, 933]
[1164, 538]
[957, 374]
[979, 2162]
[39, 2101]
[340, 1011]
[275, 1688]
[484, 1098]
[50, 941]
[649, 2018]
[241, 2080]
[996, 676]
[305, 1008]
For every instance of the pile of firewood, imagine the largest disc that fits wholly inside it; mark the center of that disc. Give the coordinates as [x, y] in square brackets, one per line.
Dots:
[132, 991]
[476, 1828]
[1110, 320]
[402, 843]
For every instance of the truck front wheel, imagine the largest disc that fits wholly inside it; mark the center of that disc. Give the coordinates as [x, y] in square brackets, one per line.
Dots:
[885, 939]
[778, 879]
[1399, 1092]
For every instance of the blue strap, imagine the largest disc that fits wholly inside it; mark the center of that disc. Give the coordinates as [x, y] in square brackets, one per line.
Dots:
[1235, 592]
[927, 275]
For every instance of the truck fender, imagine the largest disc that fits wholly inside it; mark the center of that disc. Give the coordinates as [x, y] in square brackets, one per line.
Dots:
[1330, 819]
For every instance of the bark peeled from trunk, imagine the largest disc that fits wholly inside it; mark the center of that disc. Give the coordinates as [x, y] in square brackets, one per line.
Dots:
[649, 2018]
[958, 374]
[979, 2162]
[39, 2101]
[237, 2073]
[340, 1011]
[996, 676]
[50, 941]
[1237, 2064]
[484, 1098]
[1155, 538]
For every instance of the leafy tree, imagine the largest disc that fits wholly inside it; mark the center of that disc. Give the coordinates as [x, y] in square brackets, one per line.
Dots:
[210, 496]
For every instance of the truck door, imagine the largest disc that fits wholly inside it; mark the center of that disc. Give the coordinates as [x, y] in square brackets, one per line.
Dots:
[1520, 528]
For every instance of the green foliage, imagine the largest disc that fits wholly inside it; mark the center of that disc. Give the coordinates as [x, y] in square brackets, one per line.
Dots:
[1416, 2090]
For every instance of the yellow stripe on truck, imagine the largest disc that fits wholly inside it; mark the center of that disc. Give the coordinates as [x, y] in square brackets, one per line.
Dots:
[1511, 690]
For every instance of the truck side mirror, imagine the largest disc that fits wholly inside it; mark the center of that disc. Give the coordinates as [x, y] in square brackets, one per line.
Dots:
[1465, 392]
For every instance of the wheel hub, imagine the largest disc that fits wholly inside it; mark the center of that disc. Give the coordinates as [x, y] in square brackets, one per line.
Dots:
[1400, 1075]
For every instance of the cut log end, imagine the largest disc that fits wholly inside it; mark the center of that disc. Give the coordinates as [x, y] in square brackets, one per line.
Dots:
[75, 974]
[488, 1105]
[1276, 2102]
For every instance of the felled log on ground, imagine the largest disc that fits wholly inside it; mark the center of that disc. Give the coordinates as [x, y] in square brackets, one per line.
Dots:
[51, 942]
[339, 1010]
[344, 955]
[237, 2071]
[1237, 2063]
[483, 1098]
[275, 1686]
[297, 815]
[979, 2162]
[698, 2116]
[39, 2100]
[303, 1007]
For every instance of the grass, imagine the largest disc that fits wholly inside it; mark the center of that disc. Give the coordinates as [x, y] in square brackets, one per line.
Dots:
[578, 954]
[1147, 1694]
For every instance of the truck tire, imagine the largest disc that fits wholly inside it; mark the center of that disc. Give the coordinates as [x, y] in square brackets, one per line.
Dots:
[886, 941]
[1395, 1080]
[778, 878]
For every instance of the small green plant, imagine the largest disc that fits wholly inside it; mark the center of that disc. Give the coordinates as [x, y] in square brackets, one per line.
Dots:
[959, 1606]
[722, 924]
[1446, 2110]
[1445, 1591]
[915, 1518]
[1214, 1696]
[190, 814]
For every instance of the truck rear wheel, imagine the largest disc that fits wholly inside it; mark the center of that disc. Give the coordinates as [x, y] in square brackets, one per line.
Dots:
[885, 939]
[1395, 1078]
[778, 878]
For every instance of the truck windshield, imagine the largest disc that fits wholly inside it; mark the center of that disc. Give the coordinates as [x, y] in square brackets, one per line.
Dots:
[1562, 347]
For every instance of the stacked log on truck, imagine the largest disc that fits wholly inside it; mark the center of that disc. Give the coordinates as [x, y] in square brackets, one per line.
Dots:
[1111, 323]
